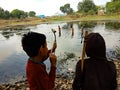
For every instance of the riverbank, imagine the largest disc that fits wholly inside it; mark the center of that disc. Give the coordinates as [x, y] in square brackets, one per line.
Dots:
[18, 24]
[61, 83]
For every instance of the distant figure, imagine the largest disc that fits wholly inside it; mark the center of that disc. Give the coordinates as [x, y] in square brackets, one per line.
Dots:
[59, 29]
[82, 31]
[35, 46]
[98, 73]
[72, 31]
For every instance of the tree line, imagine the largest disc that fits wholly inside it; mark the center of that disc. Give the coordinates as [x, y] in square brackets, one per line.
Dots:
[113, 7]
[88, 7]
[16, 13]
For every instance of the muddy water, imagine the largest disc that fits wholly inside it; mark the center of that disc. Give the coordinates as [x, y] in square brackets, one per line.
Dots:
[13, 58]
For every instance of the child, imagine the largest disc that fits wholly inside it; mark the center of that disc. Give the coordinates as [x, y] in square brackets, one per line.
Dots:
[98, 73]
[35, 46]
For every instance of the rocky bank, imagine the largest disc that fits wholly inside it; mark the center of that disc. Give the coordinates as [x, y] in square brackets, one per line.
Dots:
[61, 83]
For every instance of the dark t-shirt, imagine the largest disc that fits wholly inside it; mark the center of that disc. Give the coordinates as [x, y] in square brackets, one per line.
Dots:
[97, 75]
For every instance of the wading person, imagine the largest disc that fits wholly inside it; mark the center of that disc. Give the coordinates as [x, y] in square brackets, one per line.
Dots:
[35, 45]
[98, 73]
[59, 29]
[72, 31]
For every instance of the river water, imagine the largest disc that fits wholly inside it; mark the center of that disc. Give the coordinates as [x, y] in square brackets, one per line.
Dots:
[13, 59]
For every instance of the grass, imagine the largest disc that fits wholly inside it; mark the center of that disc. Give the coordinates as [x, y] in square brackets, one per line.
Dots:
[85, 18]
[35, 21]
[118, 50]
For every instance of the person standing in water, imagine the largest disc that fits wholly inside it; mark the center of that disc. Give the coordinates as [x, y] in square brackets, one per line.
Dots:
[59, 29]
[72, 28]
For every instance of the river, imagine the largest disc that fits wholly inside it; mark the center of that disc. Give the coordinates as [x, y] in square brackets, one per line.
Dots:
[13, 59]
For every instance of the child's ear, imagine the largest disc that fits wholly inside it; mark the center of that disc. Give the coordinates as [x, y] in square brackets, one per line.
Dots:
[40, 49]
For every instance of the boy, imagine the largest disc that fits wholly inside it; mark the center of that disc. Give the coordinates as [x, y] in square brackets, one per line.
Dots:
[35, 46]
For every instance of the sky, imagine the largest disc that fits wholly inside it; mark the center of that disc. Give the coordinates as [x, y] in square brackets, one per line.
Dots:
[43, 7]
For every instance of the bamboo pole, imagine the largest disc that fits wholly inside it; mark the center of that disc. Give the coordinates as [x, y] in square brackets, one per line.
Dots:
[83, 51]
[54, 31]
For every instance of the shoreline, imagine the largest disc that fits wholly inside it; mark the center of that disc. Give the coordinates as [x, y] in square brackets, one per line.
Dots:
[18, 24]
[61, 83]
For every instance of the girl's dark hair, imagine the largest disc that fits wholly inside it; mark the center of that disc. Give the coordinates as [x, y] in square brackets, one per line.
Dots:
[95, 46]
[31, 43]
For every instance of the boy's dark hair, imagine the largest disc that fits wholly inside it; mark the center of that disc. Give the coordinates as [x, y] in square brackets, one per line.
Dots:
[31, 43]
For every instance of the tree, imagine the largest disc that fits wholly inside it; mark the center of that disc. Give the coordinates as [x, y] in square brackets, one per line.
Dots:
[1, 12]
[32, 14]
[7, 14]
[66, 9]
[15, 13]
[113, 7]
[87, 7]
[80, 6]
[18, 14]
[114, 0]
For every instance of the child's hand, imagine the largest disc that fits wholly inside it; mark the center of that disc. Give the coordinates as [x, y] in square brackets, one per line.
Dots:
[53, 59]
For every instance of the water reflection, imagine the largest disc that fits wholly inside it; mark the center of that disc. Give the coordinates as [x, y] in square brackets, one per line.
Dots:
[113, 25]
[72, 31]
[59, 30]
[13, 59]
[7, 34]
[87, 24]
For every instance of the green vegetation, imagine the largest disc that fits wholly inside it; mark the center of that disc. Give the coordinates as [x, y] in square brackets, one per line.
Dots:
[66, 9]
[83, 18]
[87, 24]
[13, 23]
[87, 7]
[113, 25]
[118, 52]
[16, 14]
[32, 14]
[113, 7]
[55, 18]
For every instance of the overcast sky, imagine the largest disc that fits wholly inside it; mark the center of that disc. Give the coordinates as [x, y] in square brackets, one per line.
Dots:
[46, 7]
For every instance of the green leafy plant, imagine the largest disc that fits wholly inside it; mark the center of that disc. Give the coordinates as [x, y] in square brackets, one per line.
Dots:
[118, 51]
